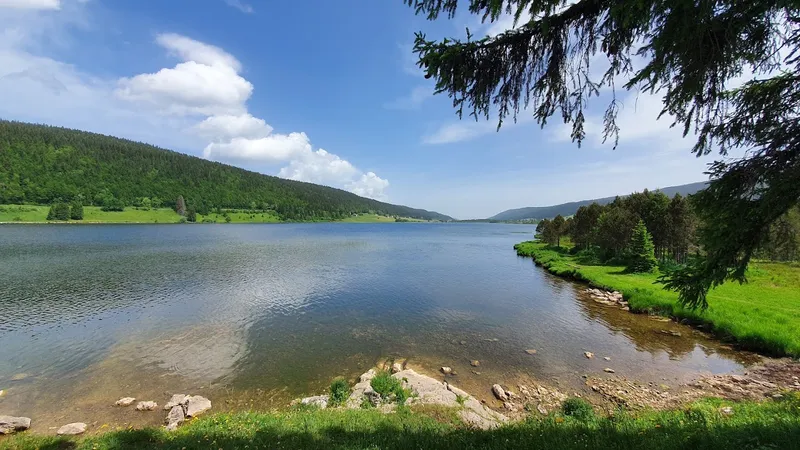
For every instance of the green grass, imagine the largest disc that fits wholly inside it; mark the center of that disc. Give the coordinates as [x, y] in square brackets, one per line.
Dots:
[339, 392]
[368, 218]
[761, 315]
[768, 425]
[242, 217]
[389, 387]
[91, 214]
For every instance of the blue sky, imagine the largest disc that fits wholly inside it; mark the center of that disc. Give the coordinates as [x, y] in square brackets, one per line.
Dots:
[318, 91]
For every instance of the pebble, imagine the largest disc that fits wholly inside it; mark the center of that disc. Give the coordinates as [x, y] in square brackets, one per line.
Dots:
[463, 342]
[446, 370]
[146, 406]
[607, 358]
[588, 355]
[531, 351]
[607, 370]
[474, 363]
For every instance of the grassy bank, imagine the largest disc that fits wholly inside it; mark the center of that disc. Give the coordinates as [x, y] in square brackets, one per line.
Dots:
[762, 315]
[93, 214]
[773, 424]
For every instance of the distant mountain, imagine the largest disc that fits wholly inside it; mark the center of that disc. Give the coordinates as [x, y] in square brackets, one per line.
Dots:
[568, 209]
[41, 164]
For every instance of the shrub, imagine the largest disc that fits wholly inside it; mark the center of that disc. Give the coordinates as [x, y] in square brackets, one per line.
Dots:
[76, 211]
[339, 392]
[389, 387]
[578, 408]
[59, 211]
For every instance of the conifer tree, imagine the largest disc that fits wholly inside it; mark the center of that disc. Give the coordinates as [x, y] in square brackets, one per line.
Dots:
[180, 206]
[76, 211]
[642, 251]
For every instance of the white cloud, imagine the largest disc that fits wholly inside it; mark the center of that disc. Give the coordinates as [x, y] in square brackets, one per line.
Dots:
[31, 4]
[506, 22]
[272, 149]
[319, 167]
[206, 83]
[413, 100]
[369, 185]
[241, 6]
[219, 128]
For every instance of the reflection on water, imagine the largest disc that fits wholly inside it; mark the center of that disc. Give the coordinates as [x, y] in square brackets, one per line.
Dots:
[253, 315]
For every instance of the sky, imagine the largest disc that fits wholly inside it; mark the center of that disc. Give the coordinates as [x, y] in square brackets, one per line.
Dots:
[318, 91]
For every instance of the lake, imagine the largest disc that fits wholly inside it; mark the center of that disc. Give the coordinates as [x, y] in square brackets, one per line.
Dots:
[254, 315]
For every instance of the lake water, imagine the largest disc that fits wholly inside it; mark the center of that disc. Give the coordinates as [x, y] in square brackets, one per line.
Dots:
[255, 315]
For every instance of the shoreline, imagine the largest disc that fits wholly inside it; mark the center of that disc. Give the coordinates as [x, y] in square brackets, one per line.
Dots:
[644, 298]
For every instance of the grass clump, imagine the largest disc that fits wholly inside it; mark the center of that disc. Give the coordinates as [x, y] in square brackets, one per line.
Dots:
[389, 387]
[578, 408]
[761, 315]
[339, 392]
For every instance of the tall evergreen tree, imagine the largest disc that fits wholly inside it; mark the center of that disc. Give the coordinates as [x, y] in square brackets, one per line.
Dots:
[642, 257]
[180, 206]
[559, 227]
[690, 52]
[76, 211]
[191, 214]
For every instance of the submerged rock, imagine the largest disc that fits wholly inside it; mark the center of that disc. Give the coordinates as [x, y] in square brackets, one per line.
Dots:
[72, 429]
[499, 392]
[446, 370]
[19, 377]
[197, 405]
[125, 401]
[475, 363]
[10, 424]
[531, 351]
[146, 406]
[588, 355]
[607, 370]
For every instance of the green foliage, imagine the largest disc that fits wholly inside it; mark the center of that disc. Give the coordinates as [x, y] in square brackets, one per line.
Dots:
[764, 425]
[762, 315]
[339, 392]
[180, 206]
[578, 408]
[642, 256]
[191, 214]
[686, 52]
[43, 165]
[76, 211]
[59, 211]
[389, 387]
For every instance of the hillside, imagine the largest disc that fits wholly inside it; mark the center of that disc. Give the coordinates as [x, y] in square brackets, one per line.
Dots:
[568, 209]
[41, 164]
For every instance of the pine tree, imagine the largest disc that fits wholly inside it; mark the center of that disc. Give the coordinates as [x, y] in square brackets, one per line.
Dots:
[559, 226]
[642, 251]
[51, 214]
[180, 206]
[76, 211]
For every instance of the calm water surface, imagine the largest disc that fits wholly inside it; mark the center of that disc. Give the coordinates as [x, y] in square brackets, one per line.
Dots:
[254, 315]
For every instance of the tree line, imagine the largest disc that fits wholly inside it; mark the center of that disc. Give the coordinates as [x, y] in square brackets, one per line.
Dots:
[644, 223]
[45, 165]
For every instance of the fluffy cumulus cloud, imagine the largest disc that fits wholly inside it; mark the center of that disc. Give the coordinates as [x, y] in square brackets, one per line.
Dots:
[207, 83]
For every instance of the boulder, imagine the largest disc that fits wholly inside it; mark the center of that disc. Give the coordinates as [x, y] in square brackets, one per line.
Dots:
[320, 401]
[146, 406]
[397, 367]
[175, 400]
[196, 405]
[175, 417]
[9, 424]
[72, 429]
[125, 401]
[19, 377]
[499, 392]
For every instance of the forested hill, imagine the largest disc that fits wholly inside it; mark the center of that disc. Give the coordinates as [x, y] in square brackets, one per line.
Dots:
[568, 209]
[42, 164]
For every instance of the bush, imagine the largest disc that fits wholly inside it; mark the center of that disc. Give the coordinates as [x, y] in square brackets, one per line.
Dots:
[339, 392]
[59, 211]
[389, 387]
[76, 211]
[113, 204]
[578, 408]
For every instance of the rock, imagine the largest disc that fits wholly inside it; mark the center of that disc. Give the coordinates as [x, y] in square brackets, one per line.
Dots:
[19, 377]
[175, 400]
[2, 392]
[175, 417]
[72, 429]
[509, 406]
[125, 401]
[197, 405]
[463, 342]
[588, 355]
[777, 396]
[397, 367]
[541, 409]
[531, 351]
[320, 401]
[499, 392]
[474, 363]
[726, 410]
[524, 390]
[607, 370]
[476, 373]
[146, 406]
[492, 340]
[9, 424]
[606, 358]
[512, 395]
[446, 370]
